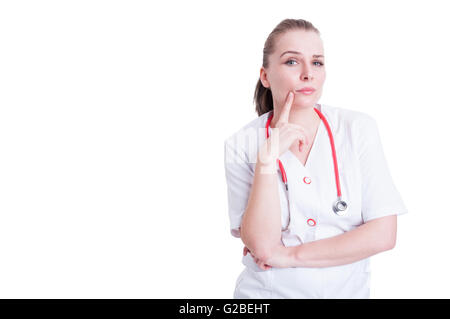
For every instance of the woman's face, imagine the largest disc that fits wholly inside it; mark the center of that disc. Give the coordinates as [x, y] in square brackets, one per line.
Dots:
[293, 71]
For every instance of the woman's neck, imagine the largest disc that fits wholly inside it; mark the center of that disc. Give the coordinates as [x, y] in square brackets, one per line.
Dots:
[305, 117]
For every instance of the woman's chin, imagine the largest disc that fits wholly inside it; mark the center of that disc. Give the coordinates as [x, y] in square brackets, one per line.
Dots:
[304, 105]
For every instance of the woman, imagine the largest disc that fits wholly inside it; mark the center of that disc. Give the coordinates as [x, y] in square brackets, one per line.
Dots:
[309, 189]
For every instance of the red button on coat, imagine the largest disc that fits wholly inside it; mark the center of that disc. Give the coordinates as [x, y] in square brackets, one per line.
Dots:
[311, 222]
[307, 180]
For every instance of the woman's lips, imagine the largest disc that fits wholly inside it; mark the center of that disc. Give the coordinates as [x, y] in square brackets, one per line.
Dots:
[306, 91]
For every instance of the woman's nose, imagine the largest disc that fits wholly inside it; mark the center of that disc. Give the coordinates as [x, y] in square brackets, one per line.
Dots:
[306, 73]
[306, 76]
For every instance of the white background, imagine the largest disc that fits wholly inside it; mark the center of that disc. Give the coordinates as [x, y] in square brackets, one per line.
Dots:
[112, 121]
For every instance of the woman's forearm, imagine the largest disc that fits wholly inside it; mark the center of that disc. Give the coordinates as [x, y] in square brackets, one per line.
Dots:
[261, 223]
[364, 241]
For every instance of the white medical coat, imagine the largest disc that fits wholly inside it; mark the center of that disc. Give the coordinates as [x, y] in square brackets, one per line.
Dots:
[366, 186]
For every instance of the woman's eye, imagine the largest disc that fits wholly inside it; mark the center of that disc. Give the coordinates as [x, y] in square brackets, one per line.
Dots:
[287, 62]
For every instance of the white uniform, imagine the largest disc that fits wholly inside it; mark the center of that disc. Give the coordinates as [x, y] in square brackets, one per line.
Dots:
[366, 186]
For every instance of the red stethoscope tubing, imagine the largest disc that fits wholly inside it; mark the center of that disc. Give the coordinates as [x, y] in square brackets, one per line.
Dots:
[333, 150]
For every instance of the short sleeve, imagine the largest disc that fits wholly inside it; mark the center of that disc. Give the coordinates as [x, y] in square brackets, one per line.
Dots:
[380, 197]
[239, 178]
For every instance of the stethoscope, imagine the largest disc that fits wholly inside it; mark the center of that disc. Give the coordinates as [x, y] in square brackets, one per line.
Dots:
[339, 205]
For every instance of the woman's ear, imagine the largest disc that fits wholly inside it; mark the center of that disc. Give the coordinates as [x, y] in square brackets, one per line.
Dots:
[263, 78]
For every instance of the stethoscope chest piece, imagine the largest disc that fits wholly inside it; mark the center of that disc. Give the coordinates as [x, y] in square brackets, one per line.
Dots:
[340, 207]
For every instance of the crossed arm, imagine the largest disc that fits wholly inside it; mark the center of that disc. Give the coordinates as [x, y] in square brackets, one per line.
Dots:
[261, 222]
[261, 234]
[364, 241]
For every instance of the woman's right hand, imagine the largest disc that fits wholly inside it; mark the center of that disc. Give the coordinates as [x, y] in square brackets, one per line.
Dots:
[283, 135]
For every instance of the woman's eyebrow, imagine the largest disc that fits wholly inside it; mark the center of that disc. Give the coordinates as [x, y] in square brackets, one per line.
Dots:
[296, 52]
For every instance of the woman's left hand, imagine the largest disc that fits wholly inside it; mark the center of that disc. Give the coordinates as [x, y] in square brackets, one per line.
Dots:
[281, 257]
[260, 264]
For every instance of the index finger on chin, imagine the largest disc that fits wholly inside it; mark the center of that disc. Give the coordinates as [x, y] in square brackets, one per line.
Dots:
[284, 115]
